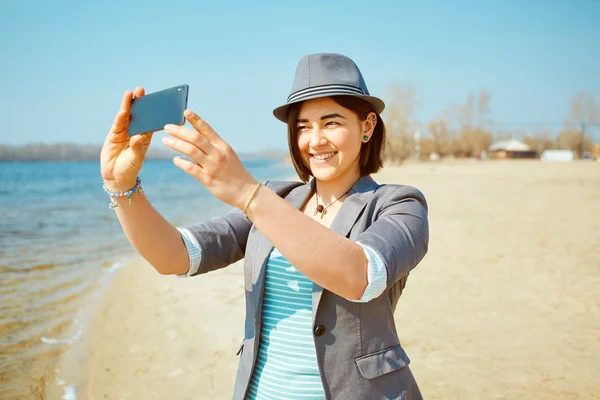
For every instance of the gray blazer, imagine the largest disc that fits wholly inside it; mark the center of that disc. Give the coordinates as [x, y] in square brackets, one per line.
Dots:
[358, 350]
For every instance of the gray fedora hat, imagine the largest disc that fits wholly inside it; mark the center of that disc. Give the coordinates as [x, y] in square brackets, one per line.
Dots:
[324, 75]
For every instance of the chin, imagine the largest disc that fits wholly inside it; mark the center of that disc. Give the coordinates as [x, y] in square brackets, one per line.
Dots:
[325, 174]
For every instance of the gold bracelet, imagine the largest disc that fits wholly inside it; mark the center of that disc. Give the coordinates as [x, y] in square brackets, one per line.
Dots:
[251, 197]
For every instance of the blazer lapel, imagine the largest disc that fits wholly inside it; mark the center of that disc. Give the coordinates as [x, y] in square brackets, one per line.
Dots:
[353, 205]
[345, 220]
[297, 197]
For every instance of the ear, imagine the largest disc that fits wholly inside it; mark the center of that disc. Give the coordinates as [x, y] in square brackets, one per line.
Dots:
[369, 125]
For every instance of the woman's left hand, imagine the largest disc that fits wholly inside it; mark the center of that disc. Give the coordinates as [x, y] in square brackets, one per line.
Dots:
[215, 164]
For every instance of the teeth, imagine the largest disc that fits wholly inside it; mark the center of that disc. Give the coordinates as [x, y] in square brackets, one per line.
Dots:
[323, 156]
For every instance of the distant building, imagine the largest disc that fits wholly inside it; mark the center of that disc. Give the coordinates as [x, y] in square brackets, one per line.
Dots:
[557, 155]
[511, 148]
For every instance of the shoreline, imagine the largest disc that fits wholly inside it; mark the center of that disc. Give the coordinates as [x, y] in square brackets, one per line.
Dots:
[175, 315]
[66, 376]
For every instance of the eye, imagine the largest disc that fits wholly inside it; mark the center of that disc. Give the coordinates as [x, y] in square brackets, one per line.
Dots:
[301, 128]
[331, 123]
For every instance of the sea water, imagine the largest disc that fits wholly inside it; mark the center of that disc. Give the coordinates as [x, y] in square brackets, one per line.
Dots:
[59, 242]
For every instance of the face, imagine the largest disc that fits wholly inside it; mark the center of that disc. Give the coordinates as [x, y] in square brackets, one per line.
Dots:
[330, 138]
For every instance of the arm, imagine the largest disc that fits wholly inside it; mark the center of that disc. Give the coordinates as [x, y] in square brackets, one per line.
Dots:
[221, 241]
[121, 159]
[399, 236]
[152, 236]
[216, 243]
[188, 251]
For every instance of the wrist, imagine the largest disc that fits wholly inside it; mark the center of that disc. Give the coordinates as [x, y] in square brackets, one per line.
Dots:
[115, 195]
[119, 186]
[249, 193]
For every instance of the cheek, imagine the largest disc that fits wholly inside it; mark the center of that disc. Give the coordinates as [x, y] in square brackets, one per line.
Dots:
[347, 142]
[303, 143]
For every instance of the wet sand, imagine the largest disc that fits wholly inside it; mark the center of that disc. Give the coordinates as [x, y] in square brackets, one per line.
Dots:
[506, 305]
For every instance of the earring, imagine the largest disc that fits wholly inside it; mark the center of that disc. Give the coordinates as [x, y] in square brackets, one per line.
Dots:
[365, 138]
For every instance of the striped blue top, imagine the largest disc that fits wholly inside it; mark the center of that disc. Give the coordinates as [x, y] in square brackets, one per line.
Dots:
[286, 367]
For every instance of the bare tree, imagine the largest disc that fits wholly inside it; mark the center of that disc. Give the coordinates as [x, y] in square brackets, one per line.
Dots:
[483, 108]
[399, 122]
[440, 137]
[451, 117]
[583, 114]
[428, 146]
[570, 139]
[473, 135]
[540, 141]
[584, 110]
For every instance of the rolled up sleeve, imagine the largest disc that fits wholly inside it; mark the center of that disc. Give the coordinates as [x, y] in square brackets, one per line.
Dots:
[194, 251]
[376, 275]
[400, 234]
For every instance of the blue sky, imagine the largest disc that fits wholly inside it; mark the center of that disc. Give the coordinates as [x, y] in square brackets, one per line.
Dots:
[65, 64]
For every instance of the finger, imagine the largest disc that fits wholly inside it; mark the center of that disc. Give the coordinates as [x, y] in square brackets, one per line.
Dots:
[118, 131]
[201, 126]
[121, 121]
[128, 97]
[191, 168]
[139, 91]
[191, 136]
[187, 149]
[126, 101]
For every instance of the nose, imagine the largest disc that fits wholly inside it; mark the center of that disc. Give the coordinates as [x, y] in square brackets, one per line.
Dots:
[317, 139]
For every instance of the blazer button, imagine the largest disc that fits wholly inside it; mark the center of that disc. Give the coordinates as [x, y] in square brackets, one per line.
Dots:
[319, 330]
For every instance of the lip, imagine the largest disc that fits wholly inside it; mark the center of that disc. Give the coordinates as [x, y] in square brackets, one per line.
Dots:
[314, 159]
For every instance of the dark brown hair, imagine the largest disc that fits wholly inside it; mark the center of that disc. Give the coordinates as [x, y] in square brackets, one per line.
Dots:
[370, 158]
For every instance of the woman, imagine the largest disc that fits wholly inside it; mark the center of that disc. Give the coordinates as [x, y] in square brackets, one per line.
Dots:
[325, 261]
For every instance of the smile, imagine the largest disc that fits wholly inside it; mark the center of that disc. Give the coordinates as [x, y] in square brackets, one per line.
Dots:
[323, 156]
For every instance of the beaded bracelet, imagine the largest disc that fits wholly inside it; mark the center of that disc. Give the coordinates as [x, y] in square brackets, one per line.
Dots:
[114, 195]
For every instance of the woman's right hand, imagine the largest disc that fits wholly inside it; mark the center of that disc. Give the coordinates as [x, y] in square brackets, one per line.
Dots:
[122, 156]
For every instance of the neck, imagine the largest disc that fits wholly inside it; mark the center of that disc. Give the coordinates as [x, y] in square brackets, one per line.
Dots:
[329, 191]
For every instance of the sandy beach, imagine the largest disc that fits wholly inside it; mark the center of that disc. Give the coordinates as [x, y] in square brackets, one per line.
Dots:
[506, 305]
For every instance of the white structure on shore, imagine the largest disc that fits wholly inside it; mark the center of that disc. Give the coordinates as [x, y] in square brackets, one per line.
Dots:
[557, 155]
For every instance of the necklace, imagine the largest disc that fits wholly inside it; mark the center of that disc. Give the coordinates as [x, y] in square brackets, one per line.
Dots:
[323, 210]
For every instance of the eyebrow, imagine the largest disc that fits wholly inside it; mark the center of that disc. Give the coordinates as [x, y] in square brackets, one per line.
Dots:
[324, 117]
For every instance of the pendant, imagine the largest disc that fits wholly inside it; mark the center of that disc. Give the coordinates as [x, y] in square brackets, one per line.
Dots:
[319, 209]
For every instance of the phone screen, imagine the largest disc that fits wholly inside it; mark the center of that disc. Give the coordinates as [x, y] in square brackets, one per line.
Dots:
[150, 113]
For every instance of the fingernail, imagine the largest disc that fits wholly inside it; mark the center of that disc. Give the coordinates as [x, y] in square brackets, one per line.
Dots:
[167, 140]
[188, 114]
[169, 128]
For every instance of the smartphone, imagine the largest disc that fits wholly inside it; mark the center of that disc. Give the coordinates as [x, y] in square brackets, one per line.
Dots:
[150, 113]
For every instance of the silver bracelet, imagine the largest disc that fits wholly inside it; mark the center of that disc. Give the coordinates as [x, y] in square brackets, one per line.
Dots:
[114, 195]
